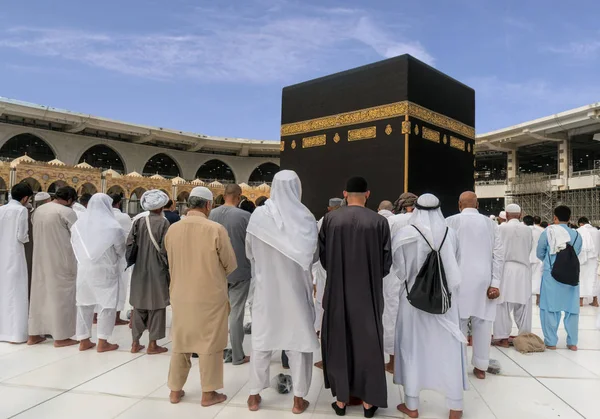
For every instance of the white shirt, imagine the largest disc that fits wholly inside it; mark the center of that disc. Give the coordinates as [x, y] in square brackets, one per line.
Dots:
[517, 241]
[481, 263]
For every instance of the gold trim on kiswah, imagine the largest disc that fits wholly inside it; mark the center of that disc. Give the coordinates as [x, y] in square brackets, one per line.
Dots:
[405, 127]
[430, 134]
[315, 141]
[282, 146]
[377, 113]
[457, 143]
[362, 133]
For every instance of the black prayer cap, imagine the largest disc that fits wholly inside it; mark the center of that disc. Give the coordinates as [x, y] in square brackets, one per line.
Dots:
[357, 184]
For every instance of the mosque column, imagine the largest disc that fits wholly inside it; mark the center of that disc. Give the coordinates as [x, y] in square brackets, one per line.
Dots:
[512, 166]
[564, 162]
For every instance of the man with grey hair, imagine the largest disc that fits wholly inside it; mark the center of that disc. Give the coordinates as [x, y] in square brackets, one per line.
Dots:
[385, 208]
[515, 287]
[150, 277]
[199, 297]
[235, 221]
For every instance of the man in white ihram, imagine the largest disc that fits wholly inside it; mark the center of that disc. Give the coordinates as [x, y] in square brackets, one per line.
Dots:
[281, 244]
[98, 243]
[515, 287]
[430, 348]
[481, 267]
[588, 259]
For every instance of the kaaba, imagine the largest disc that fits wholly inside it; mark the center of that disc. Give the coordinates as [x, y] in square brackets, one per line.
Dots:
[399, 123]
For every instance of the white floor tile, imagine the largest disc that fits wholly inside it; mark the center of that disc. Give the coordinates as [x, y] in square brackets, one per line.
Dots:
[231, 412]
[549, 364]
[137, 378]
[589, 359]
[14, 400]
[73, 371]
[31, 358]
[582, 395]
[161, 409]
[8, 348]
[74, 405]
[521, 398]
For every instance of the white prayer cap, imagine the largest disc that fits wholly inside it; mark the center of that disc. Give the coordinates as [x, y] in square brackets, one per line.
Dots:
[502, 215]
[41, 196]
[493, 217]
[513, 209]
[202, 192]
[154, 199]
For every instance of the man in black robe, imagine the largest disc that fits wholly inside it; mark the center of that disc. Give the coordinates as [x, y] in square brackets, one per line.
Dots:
[355, 250]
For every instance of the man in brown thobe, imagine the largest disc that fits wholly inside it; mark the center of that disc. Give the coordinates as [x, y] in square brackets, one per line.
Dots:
[149, 295]
[200, 258]
[52, 310]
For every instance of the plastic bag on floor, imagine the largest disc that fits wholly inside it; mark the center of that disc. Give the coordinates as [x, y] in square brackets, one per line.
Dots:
[282, 383]
[227, 356]
[494, 367]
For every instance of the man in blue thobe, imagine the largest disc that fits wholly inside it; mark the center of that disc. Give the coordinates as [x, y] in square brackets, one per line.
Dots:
[556, 297]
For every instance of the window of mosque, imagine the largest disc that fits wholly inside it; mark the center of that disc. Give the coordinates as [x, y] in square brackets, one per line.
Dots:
[490, 165]
[163, 165]
[216, 170]
[29, 144]
[585, 153]
[103, 157]
[264, 173]
[538, 158]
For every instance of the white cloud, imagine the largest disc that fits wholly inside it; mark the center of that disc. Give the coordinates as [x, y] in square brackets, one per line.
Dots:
[580, 50]
[222, 46]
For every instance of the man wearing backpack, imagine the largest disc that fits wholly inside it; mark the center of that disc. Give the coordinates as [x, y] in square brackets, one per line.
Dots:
[515, 287]
[558, 248]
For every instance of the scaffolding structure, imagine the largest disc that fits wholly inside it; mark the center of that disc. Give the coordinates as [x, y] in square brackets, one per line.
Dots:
[536, 195]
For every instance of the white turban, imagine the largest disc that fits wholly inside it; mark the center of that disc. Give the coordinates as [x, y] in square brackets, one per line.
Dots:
[154, 199]
[41, 196]
[202, 192]
[513, 209]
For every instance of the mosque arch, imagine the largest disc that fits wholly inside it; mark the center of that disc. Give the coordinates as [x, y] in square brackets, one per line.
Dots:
[35, 185]
[162, 164]
[116, 189]
[54, 186]
[87, 188]
[183, 197]
[264, 173]
[27, 143]
[216, 170]
[135, 206]
[168, 193]
[104, 157]
[3, 191]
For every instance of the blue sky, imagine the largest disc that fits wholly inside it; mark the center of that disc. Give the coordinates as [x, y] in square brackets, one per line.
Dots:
[218, 67]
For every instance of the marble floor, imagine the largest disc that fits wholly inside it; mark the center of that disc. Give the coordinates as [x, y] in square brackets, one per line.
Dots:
[44, 382]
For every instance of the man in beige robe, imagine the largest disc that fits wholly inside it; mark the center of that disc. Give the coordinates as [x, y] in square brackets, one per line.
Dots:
[200, 257]
[52, 309]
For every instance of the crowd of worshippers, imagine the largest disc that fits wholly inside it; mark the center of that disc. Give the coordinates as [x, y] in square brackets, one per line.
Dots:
[404, 284]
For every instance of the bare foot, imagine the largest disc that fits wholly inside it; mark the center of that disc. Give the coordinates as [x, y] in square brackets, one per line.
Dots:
[455, 414]
[300, 405]
[34, 340]
[319, 365]
[136, 347]
[211, 398]
[104, 346]
[176, 396]
[572, 347]
[552, 348]
[254, 402]
[410, 413]
[594, 302]
[244, 361]
[154, 349]
[502, 343]
[86, 344]
[479, 373]
[64, 342]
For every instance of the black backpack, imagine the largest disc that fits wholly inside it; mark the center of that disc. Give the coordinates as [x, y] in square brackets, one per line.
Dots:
[430, 291]
[566, 265]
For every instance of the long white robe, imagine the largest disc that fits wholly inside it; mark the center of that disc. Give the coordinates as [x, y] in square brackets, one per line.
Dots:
[283, 312]
[319, 280]
[14, 304]
[125, 277]
[588, 259]
[391, 291]
[430, 349]
[517, 241]
[537, 266]
[481, 265]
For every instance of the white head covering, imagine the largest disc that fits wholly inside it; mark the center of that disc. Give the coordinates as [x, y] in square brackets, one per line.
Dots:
[513, 209]
[154, 199]
[284, 223]
[502, 215]
[202, 192]
[428, 218]
[41, 196]
[493, 217]
[97, 227]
